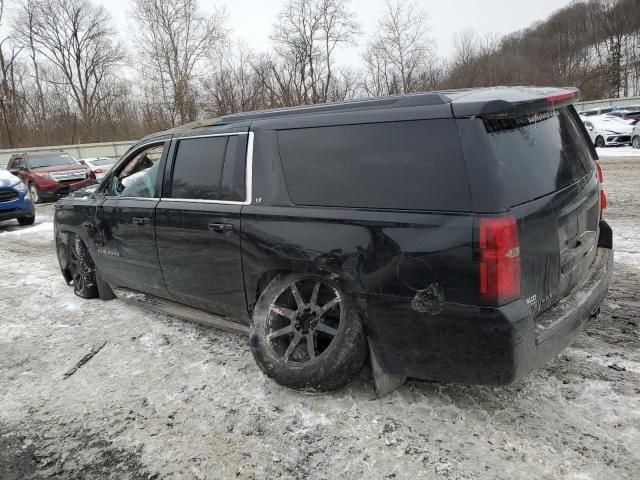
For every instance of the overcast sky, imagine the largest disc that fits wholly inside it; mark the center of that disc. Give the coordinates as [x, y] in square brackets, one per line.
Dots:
[251, 20]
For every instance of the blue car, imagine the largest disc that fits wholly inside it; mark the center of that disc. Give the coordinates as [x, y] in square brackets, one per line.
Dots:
[15, 201]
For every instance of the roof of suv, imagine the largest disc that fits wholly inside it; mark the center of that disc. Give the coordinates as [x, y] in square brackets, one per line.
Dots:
[463, 103]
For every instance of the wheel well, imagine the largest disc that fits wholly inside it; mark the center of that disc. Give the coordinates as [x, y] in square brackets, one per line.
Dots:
[263, 281]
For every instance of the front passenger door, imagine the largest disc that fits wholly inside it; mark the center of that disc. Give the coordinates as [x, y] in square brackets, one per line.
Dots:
[125, 217]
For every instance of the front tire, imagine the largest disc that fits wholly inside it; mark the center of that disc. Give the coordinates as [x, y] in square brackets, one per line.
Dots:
[26, 220]
[83, 271]
[307, 333]
[599, 141]
[35, 193]
[636, 142]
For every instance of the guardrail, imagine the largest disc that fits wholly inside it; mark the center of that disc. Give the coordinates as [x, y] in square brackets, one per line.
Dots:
[85, 150]
[607, 102]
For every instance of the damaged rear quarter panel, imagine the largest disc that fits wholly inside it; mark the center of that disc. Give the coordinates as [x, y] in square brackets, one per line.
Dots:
[410, 265]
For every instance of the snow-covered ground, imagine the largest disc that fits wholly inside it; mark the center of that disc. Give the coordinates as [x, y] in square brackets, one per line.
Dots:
[618, 152]
[169, 399]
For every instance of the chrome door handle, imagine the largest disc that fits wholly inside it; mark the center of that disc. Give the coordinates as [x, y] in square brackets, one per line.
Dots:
[220, 227]
[141, 220]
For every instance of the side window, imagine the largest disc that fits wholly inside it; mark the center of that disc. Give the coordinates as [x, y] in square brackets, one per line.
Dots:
[233, 173]
[138, 177]
[210, 168]
[416, 165]
[16, 163]
[197, 168]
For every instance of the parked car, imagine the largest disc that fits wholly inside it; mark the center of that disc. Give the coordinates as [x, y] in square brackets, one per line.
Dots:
[635, 136]
[607, 132]
[100, 166]
[597, 111]
[629, 116]
[15, 201]
[458, 235]
[49, 174]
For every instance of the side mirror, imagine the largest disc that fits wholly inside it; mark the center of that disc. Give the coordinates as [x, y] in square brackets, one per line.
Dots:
[82, 162]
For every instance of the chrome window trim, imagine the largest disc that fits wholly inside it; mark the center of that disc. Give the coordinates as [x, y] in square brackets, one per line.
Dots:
[114, 197]
[228, 134]
[248, 172]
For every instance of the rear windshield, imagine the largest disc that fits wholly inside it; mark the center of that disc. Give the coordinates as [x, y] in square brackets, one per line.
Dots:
[539, 154]
[413, 165]
[51, 160]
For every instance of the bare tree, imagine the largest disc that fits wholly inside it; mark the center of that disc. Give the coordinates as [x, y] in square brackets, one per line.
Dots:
[400, 50]
[307, 33]
[25, 36]
[174, 41]
[76, 39]
[8, 94]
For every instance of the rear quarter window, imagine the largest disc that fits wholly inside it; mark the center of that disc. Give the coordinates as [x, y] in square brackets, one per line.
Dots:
[413, 165]
[540, 154]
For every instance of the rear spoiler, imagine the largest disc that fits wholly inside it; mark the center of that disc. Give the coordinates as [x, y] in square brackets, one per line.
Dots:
[508, 102]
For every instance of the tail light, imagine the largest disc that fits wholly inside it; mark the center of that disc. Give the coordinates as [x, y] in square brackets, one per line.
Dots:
[499, 256]
[603, 196]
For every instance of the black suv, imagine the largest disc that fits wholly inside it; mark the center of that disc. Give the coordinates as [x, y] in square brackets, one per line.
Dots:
[456, 236]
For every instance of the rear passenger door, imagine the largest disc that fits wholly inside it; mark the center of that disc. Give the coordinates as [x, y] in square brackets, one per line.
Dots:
[198, 222]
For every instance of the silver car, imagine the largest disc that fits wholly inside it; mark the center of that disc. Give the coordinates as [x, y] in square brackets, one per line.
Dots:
[100, 166]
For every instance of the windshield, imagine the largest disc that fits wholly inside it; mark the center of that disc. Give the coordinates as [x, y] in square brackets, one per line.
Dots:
[51, 160]
[103, 162]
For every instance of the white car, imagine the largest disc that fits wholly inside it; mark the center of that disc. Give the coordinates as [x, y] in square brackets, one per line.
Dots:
[100, 166]
[635, 136]
[608, 131]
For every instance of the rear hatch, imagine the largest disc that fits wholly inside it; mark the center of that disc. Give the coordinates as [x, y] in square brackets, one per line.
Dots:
[545, 165]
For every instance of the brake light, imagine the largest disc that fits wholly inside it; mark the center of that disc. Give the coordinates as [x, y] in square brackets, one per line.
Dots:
[603, 196]
[560, 96]
[499, 249]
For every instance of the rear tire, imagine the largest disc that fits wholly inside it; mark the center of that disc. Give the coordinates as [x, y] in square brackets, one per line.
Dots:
[599, 141]
[307, 333]
[26, 220]
[636, 142]
[83, 271]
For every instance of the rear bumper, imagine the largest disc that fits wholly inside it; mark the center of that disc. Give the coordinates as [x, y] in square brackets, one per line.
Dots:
[478, 345]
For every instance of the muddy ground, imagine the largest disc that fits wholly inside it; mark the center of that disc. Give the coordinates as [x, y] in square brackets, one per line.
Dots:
[166, 399]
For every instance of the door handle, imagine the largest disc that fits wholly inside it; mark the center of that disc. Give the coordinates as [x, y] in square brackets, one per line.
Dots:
[220, 227]
[141, 220]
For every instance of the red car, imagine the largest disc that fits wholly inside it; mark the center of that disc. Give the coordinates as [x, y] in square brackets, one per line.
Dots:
[49, 174]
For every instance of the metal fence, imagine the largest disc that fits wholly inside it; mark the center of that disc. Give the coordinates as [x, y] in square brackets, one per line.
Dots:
[607, 102]
[110, 150]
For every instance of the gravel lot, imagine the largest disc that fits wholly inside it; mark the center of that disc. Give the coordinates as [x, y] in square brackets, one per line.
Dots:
[167, 399]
